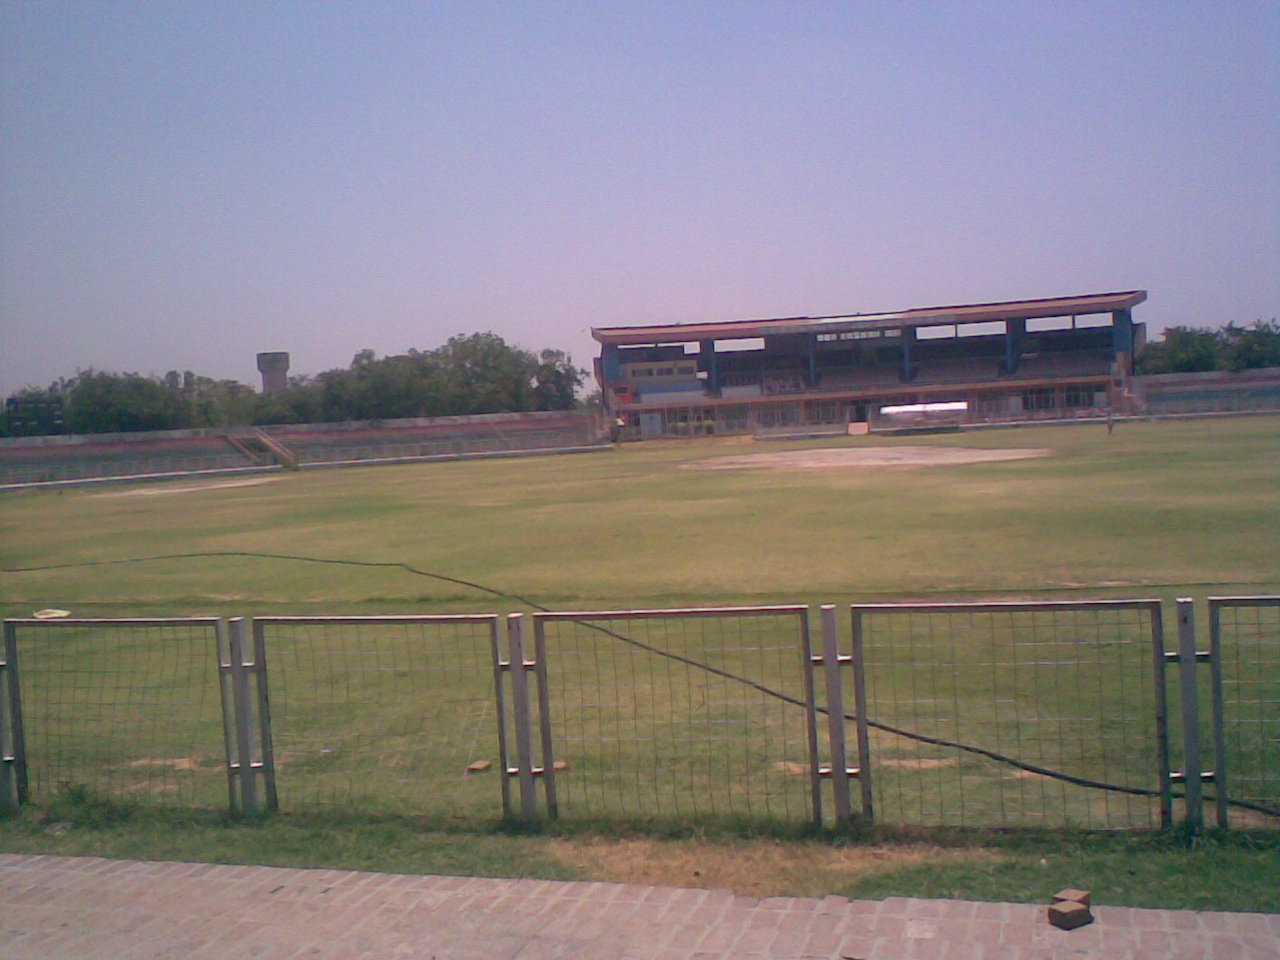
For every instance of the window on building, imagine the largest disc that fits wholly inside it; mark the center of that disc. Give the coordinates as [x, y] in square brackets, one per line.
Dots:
[1080, 395]
[1039, 399]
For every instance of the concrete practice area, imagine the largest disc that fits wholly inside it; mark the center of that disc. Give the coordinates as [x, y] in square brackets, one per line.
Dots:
[76, 908]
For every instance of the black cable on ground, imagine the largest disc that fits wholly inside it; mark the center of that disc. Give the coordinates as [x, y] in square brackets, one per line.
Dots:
[276, 556]
[768, 691]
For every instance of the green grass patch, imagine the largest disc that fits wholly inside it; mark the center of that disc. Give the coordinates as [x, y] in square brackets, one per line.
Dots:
[1156, 507]
[1217, 871]
[388, 844]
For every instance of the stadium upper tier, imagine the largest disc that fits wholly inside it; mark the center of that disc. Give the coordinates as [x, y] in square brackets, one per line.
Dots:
[1088, 304]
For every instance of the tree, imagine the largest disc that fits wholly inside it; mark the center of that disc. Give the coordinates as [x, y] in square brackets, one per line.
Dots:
[217, 403]
[1249, 348]
[121, 402]
[1183, 350]
[468, 374]
[557, 381]
[301, 402]
[1232, 347]
[482, 374]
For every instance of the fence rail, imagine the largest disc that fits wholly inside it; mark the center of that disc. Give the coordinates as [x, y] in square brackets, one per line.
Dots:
[960, 715]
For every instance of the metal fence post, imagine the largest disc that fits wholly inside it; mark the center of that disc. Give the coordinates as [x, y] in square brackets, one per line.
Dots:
[265, 741]
[1160, 689]
[13, 752]
[835, 713]
[243, 711]
[523, 723]
[500, 667]
[809, 661]
[230, 752]
[1187, 658]
[864, 730]
[1221, 788]
[544, 718]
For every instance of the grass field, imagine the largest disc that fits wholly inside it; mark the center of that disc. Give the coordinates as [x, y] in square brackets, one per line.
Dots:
[1154, 510]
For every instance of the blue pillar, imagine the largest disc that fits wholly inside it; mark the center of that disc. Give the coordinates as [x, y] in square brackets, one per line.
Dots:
[708, 358]
[813, 360]
[908, 337]
[1122, 338]
[1015, 332]
[609, 360]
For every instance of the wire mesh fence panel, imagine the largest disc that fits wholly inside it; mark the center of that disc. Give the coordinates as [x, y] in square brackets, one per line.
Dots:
[1032, 690]
[122, 710]
[665, 715]
[390, 715]
[1247, 634]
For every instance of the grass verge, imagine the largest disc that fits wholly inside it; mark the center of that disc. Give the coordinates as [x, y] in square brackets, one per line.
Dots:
[1212, 871]
[384, 844]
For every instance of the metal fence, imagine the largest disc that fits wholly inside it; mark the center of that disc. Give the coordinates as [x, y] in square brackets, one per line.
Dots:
[381, 714]
[1028, 690]
[675, 713]
[955, 715]
[126, 709]
[1245, 646]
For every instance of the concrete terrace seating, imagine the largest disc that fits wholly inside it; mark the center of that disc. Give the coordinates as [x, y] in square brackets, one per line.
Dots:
[957, 370]
[1068, 363]
[775, 383]
[981, 369]
[177, 453]
[440, 440]
[117, 458]
[858, 378]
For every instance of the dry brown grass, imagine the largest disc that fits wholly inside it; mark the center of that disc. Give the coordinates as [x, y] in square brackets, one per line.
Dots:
[856, 457]
[920, 763]
[177, 763]
[755, 869]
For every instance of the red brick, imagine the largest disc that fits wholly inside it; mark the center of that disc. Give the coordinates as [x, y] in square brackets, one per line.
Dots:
[1074, 896]
[1068, 915]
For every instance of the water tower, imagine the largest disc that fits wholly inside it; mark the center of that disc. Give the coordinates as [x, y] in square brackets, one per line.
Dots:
[274, 368]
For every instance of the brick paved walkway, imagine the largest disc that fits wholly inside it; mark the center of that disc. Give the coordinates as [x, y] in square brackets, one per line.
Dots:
[77, 908]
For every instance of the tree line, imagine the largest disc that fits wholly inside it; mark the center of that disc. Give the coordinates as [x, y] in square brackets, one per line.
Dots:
[469, 374]
[1232, 348]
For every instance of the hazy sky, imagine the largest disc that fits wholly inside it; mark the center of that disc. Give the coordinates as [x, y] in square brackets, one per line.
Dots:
[185, 184]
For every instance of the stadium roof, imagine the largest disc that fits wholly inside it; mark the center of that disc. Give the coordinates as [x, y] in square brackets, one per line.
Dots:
[920, 317]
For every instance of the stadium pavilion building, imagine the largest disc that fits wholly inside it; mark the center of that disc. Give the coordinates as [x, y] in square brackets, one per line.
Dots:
[1019, 360]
